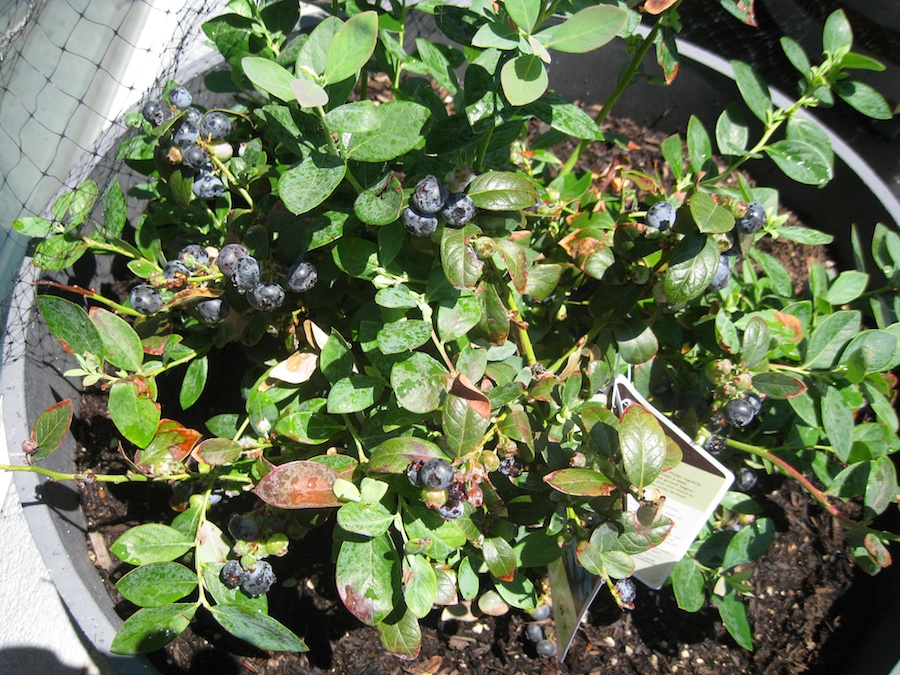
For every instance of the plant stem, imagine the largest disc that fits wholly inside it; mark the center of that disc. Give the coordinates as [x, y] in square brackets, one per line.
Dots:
[224, 169]
[90, 295]
[621, 86]
[521, 329]
[173, 364]
[356, 439]
[482, 150]
[587, 337]
[85, 476]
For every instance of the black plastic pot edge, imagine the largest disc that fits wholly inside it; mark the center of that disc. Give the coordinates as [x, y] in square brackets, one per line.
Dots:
[55, 523]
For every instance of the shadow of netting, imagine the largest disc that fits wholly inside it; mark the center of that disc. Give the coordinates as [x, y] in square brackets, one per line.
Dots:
[70, 71]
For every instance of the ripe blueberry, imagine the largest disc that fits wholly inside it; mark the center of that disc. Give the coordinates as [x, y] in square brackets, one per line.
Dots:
[176, 272]
[232, 574]
[540, 612]
[723, 274]
[421, 225]
[246, 274]
[215, 126]
[436, 474]
[242, 528]
[716, 445]
[207, 186]
[754, 400]
[534, 632]
[754, 220]
[156, 113]
[196, 158]
[259, 579]
[302, 276]
[213, 311]
[180, 98]
[193, 255]
[186, 135]
[626, 590]
[266, 297]
[546, 648]
[661, 216]
[429, 195]
[145, 299]
[451, 509]
[228, 258]
[739, 412]
[458, 210]
[193, 116]
[745, 479]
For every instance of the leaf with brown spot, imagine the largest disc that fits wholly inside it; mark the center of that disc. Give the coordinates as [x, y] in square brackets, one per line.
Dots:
[791, 322]
[299, 485]
[475, 398]
[296, 369]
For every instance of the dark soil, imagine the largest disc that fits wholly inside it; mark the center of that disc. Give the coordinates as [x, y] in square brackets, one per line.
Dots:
[805, 613]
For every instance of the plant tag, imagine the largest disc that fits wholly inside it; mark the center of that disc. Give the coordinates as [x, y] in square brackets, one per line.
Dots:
[692, 490]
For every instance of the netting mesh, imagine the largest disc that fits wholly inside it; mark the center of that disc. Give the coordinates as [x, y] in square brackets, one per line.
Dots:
[71, 69]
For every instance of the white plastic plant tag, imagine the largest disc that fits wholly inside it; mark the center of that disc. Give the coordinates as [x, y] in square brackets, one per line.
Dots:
[692, 490]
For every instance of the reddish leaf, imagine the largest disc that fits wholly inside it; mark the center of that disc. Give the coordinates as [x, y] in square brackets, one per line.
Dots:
[580, 482]
[476, 399]
[299, 485]
[657, 6]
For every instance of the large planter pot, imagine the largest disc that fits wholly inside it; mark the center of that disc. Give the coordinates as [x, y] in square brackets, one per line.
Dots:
[33, 380]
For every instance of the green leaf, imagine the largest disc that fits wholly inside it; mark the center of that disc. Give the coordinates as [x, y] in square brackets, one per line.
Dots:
[673, 153]
[467, 577]
[580, 482]
[635, 340]
[157, 584]
[420, 585]
[801, 161]
[381, 203]
[370, 520]
[709, 216]
[395, 454]
[805, 235]
[399, 130]
[499, 557]
[837, 418]
[519, 592]
[795, 55]
[461, 265]
[830, 337]
[308, 94]
[134, 413]
[753, 89]
[586, 30]
[502, 191]
[524, 79]
[58, 252]
[418, 382]
[354, 394]
[152, 628]
[401, 635]
[643, 445]
[356, 256]
[781, 280]
[881, 488]
[693, 266]
[32, 226]
[837, 34]
[497, 35]
[847, 287]
[310, 428]
[756, 342]
[260, 630]
[403, 336]
[223, 595]
[151, 543]
[726, 333]
[81, 203]
[463, 427]
[71, 325]
[749, 544]
[269, 77]
[876, 349]
[440, 538]
[309, 183]
[194, 382]
[218, 451]
[863, 98]
[778, 385]
[802, 129]
[50, 428]
[352, 47]
[699, 146]
[367, 577]
[734, 616]
[457, 316]
[689, 585]
[114, 210]
[524, 13]
[731, 131]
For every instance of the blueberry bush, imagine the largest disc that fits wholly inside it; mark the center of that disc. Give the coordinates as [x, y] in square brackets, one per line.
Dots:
[432, 302]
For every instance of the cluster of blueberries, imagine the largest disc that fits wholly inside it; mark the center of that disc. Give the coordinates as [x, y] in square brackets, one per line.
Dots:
[236, 263]
[196, 126]
[661, 216]
[738, 412]
[535, 632]
[254, 582]
[430, 199]
[437, 474]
